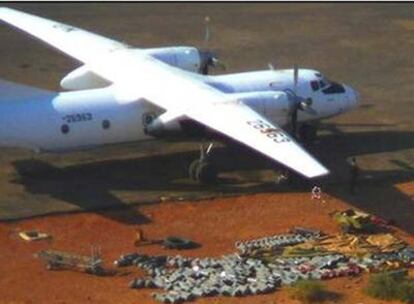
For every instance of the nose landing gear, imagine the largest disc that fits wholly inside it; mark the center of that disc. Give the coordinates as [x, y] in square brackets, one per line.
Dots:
[202, 170]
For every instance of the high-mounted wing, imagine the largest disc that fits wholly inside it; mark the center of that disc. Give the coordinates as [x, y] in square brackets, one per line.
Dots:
[244, 125]
[136, 75]
[77, 43]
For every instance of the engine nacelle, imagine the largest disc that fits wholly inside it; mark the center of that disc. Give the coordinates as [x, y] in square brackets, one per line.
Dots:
[186, 58]
[163, 125]
[82, 79]
[169, 125]
[274, 105]
[268, 103]
[183, 57]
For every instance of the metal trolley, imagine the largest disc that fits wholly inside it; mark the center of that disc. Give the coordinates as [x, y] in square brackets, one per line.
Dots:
[54, 259]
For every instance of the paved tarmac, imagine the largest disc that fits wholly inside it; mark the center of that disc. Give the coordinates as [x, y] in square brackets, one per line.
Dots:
[368, 46]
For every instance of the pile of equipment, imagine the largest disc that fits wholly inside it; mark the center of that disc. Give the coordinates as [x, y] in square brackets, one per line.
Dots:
[262, 265]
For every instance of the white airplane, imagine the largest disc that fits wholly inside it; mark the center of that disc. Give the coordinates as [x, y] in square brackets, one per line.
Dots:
[124, 94]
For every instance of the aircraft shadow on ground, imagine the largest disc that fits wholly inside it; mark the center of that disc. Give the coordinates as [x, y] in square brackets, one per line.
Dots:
[342, 145]
[39, 177]
[381, 198]
[89, 185]
[388, 202]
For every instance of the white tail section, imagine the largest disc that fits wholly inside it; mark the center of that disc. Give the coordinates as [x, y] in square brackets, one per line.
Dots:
[10, 91]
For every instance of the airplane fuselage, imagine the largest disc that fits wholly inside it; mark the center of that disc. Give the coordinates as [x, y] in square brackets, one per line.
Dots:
[125, 94]
[89, 118]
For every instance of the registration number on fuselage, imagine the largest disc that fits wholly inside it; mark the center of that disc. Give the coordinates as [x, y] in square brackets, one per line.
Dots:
[274, 133]
[79, 117]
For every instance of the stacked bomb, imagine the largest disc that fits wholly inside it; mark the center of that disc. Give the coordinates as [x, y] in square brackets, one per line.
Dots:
[185, 279]
[241, 274]
[296, 236]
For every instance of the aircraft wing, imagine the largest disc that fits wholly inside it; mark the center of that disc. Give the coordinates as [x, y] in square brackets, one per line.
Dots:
[80, 44]
[239, 122]
[137, 75]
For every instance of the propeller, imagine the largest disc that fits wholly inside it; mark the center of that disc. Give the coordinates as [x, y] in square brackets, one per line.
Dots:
[207, 56]
[298, 102]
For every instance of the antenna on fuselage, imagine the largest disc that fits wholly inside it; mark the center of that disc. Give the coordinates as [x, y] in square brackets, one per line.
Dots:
[208, 57]
[295, 78]
[207, 33]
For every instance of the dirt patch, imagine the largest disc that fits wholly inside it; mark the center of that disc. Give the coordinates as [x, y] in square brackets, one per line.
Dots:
[216, 224]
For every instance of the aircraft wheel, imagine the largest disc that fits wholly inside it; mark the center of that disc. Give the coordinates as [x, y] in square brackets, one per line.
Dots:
[206, 173]
[192, 169]
[308, 133]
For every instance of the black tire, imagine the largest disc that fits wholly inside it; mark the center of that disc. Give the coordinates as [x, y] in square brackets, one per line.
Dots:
[192, 169]
[206, 173]
[99, 271]
[175, 242]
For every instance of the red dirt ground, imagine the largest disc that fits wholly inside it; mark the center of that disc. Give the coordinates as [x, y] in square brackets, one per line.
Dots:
[354, 43]
[216, 224]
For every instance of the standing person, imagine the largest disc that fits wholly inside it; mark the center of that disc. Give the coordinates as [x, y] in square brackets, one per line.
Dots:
[354, 170]
[316, 193]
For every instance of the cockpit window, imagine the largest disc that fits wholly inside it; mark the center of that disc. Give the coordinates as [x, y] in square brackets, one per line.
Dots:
[315, 85]
[322, 83]
[334, 88]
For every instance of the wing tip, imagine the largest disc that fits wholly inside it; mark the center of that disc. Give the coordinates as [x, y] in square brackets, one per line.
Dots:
[320, 173]
[4, 10]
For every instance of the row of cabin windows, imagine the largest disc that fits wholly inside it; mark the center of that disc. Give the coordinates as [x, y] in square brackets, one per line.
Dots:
[106, 124]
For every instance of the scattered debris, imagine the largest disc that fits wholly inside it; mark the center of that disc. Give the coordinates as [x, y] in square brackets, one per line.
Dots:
[165, 198]
[176, 242]
[262, 265]
[141, 240]
[34, 235]
[60, 260]
[352, 221]
[355, 245]
[276, 243]
[126, 260]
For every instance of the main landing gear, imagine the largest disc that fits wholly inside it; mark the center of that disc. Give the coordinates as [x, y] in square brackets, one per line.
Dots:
[202, 170]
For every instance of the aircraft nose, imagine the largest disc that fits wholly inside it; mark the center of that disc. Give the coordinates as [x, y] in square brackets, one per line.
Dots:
[353, 97]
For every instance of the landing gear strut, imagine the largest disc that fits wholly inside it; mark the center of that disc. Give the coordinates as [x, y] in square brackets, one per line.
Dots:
[201, 170]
